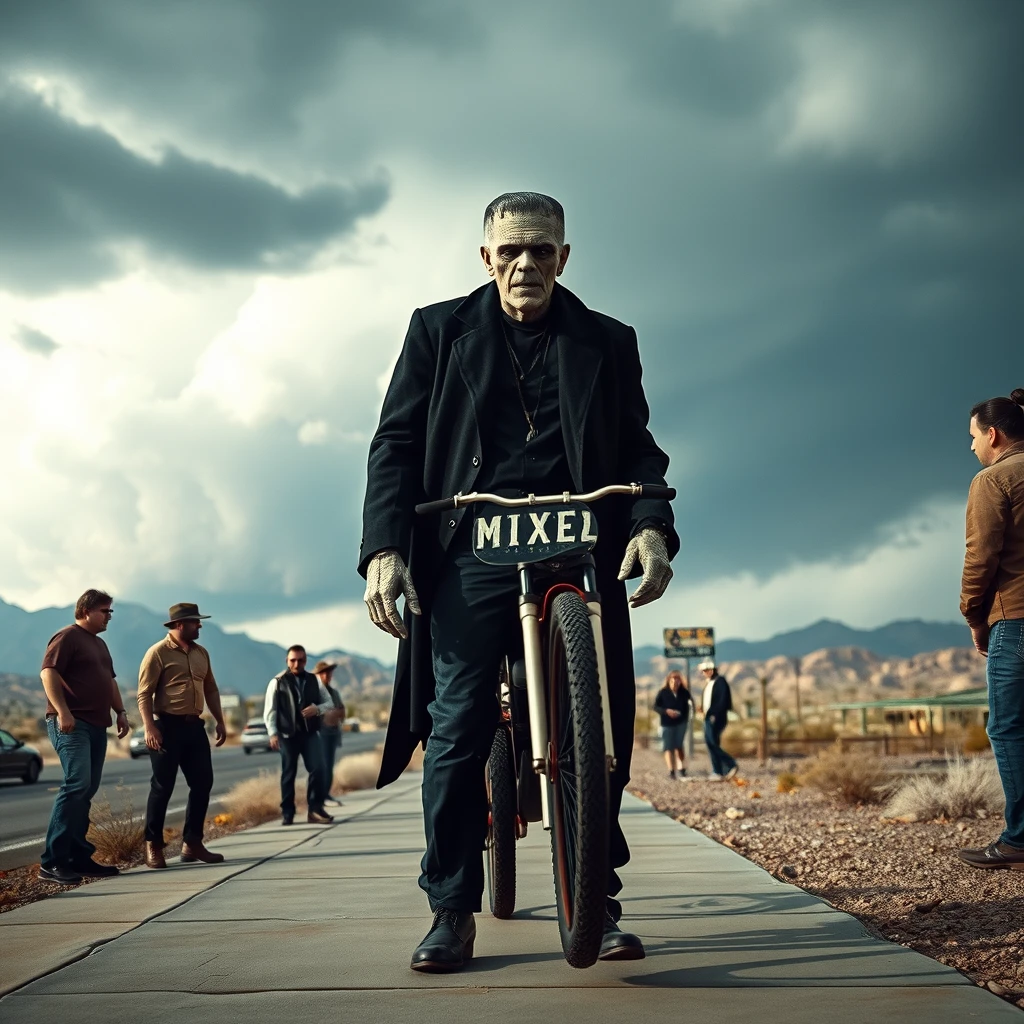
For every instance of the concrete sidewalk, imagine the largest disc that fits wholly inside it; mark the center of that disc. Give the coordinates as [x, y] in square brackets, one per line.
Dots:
[318, 923]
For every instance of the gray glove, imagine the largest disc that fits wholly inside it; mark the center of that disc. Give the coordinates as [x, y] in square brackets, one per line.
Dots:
[386, 578]
[649, 546]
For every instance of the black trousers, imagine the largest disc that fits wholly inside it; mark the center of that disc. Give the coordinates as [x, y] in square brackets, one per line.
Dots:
[474, 624]
[307, 746]
[185, 746]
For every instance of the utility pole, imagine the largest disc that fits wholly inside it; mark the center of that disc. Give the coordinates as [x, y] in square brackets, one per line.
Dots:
[796, 670]
[762, 752]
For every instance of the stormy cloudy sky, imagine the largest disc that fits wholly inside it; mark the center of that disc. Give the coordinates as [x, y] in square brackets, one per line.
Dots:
[216, 219]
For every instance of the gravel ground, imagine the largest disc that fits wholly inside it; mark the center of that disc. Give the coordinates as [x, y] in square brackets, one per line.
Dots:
[903, 881]
[21, 885]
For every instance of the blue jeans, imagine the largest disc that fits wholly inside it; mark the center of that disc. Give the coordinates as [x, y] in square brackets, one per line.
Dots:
[307, 746]
[1006, 720]
[330, 740]
[721, 762]
[82, 753]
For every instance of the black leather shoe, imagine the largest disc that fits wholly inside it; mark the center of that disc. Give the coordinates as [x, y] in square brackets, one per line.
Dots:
[619, 945]
[60, 875]
[90, 869]
[448, 944]
[997, 855]
[288, 819]
[319, 817]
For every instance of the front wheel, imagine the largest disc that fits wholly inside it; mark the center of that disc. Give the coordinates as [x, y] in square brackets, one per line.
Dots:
[500, 854]
[578, 781]
[32, 772]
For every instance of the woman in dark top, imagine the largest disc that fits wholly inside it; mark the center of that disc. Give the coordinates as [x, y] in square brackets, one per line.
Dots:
[673, 705]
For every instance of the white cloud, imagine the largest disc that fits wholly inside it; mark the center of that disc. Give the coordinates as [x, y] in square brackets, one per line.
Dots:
[872, 94]
[313, 432]
[913, 573]
[344, 625]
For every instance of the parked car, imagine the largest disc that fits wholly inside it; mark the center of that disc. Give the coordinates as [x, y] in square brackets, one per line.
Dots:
[137, 744]
[18, 760]
[254, 736]
[351, 725]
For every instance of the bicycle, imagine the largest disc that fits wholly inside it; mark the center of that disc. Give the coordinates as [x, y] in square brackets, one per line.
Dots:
[554, 704]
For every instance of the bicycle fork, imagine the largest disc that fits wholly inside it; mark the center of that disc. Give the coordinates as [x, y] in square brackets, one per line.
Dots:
[536, 696]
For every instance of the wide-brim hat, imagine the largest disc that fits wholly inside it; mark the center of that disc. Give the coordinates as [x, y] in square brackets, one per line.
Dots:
[183, 613]
[706, 663]
[324, 666]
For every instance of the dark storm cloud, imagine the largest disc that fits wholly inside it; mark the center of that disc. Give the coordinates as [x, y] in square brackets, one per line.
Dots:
[240, 65]
[35, 341]
[816, 312]
[69, 194]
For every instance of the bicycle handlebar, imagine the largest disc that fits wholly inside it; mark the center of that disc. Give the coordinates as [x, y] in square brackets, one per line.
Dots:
[656, 491]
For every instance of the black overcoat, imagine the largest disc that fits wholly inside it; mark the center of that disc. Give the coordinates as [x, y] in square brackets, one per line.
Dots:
[428, 445]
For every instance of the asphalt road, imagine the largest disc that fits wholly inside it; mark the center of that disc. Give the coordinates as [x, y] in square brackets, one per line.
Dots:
[25, 810]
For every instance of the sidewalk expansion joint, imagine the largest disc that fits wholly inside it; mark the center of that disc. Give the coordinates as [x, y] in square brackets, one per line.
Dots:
[94, 946]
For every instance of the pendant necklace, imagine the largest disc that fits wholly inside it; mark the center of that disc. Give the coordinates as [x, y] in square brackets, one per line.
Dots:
[520, 375]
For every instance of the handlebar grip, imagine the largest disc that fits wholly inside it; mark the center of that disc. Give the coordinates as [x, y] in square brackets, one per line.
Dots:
[657, 491]
[443, 505]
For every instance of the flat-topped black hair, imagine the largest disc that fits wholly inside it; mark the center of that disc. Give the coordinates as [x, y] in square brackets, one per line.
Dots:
[512, 204]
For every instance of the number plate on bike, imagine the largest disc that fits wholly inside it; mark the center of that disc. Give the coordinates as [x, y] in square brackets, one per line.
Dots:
[536, 533]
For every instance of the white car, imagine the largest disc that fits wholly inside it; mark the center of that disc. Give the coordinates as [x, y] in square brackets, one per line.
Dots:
[254, 736]
[137, 744]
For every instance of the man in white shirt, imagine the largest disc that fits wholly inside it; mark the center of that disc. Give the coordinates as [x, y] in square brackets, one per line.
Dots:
[717, 703]
[292, 712]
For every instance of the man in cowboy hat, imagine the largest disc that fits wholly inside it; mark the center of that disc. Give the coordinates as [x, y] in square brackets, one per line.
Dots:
[717, 703]
[330, 731]
[175, 679]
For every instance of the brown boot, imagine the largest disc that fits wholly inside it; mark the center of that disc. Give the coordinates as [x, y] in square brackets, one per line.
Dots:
[155, 856]
[191, 851]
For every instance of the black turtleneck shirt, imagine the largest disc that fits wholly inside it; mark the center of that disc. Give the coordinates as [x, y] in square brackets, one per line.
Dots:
[511, 465]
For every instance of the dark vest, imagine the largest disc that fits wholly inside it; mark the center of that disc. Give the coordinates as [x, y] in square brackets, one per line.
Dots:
[289, 720]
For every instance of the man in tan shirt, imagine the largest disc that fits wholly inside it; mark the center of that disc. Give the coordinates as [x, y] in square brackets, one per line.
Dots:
[175, 680]
[992, 601]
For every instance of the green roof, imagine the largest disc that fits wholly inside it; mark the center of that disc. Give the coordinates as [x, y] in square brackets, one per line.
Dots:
[977, 698]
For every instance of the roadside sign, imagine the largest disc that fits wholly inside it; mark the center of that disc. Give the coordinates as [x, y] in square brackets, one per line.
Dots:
[230, 700]
[691, 642]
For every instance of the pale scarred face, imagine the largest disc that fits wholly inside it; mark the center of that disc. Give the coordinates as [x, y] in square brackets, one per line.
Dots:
[524, 253]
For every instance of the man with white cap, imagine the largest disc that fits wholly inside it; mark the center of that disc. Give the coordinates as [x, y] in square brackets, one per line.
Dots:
[717, 703]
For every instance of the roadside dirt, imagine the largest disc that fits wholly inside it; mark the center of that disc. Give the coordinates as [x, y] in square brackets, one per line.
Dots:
[903, 881]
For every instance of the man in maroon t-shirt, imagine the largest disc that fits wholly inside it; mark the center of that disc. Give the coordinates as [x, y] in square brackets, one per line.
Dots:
[81, 690]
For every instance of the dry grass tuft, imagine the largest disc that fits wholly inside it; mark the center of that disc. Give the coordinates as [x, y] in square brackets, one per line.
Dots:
[969, 786]
[851, 778]
[253, 801]
[787, 782]
[117, 833]
[357, 771]
[976, 740]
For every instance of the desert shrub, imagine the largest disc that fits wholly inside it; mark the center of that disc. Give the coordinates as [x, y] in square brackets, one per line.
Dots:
[820, 730]
[967, 787]
[357, 771]
[976, 740]
[254, 800]
[853, 778]
[117, 832]
[787, 782]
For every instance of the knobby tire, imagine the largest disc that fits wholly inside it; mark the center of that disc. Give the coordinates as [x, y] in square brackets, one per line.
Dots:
[578, 782]
[500, 854]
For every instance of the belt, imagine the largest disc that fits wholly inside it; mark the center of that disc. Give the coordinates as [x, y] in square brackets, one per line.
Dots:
[167, 716]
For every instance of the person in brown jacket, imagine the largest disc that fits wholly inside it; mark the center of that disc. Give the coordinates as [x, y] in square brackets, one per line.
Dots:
[992, 601]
